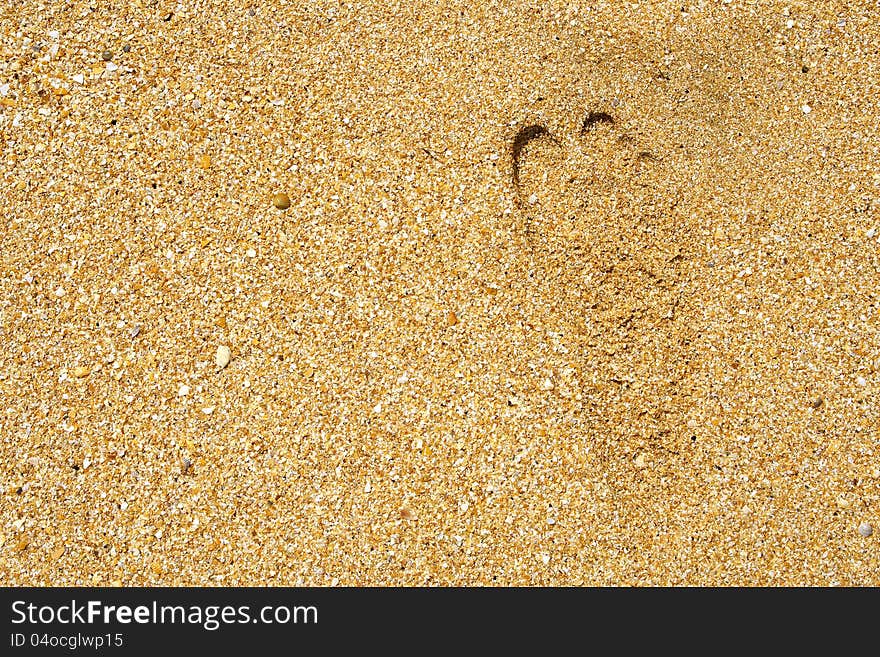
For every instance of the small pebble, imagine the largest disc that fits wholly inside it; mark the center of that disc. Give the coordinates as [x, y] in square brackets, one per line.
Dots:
[865, 529]
[861, 381]
[80, 371]
[183, 391]
[816, 403]
[806, 109]
[281, 201]
[106, 55]
[224, 355]
[126, 48]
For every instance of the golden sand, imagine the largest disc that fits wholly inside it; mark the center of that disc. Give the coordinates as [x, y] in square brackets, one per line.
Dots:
[566, 293]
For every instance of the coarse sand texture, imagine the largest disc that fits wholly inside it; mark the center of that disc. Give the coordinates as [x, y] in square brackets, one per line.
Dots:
[439, 293]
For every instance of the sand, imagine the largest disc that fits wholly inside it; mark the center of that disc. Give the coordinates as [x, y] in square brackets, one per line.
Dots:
[648, 358]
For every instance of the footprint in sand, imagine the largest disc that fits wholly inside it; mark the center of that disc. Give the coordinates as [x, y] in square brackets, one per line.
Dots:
[607, 246]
